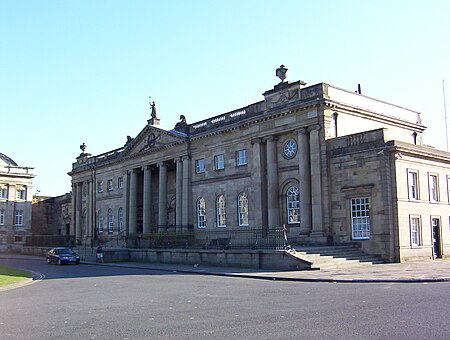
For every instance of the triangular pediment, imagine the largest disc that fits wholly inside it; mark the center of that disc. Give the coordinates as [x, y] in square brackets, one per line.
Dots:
[151, 139]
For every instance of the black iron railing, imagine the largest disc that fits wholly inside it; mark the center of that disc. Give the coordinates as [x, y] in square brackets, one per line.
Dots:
[168, 238]
[273, 238]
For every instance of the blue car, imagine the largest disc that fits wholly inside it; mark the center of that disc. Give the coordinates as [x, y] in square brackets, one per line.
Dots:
[62, 255]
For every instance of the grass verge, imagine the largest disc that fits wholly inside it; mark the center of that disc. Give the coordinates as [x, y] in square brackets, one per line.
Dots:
[10, 275]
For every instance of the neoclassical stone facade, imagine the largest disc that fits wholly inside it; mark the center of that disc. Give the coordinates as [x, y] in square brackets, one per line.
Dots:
[16, 185]
[331, 165]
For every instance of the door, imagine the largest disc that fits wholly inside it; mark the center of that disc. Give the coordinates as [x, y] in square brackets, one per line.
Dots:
[436, 230]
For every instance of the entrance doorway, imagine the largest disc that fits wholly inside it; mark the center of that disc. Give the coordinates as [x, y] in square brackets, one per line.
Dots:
[436, 231]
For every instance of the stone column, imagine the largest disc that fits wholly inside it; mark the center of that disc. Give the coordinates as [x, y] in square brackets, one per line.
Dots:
[257, 189]
[304, 181]
[126, 202]
[74, 210]
[186, 196]
[132, 227]
[316, 184]
[89, 210]
[147, 202]
[179, 196]
[162, 207]
[78, 208]
[272, 182]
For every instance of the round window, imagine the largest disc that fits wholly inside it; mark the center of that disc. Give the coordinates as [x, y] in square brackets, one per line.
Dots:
[290, 149]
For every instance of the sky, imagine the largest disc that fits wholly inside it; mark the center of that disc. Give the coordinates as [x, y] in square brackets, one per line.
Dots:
[74, 72]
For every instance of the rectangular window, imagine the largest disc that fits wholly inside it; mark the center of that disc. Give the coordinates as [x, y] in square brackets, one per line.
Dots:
[434, 190]
[360, 214]
[413, 185]
[448, 188]
[100, 186]
[120, 182]
[21, 193]
[19, 217]
[2, 217]
[199, 166]
[110, 184]
[4, 192]
[415, 231]
[219, 162]
[241, 157]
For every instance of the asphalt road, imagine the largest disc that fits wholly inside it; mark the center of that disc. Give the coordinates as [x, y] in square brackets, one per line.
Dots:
[102, 302]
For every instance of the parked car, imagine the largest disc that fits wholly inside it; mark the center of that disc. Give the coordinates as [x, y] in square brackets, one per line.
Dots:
[62, 255]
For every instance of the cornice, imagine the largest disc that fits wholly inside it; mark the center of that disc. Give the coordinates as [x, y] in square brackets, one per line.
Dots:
[373, 115]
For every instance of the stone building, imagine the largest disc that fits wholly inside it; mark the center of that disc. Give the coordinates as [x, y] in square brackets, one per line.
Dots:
[16, 184]
[333, 166]
[51, 219]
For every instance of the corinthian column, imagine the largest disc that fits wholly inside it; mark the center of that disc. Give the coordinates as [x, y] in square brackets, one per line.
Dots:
[78, 212]
[272, 182]
[304, 180]
[186, 193]
[74, 210]
[126, 202]
[256, 191]
[132, 228]
[147, 200]
[89, 209]
[179, 196]
[162, 207]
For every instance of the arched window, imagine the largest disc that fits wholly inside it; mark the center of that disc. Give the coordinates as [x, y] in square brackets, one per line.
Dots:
[293, 205]
[201, 213]
[120, 218]
[242, 204]
[220, 211]
[100, 221]
[110, 221]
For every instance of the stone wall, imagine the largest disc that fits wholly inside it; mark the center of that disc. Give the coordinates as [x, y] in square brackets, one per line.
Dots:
[357, 169]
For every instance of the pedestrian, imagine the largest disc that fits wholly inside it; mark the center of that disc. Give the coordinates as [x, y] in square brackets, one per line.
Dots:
[287, 246]
[99, 257]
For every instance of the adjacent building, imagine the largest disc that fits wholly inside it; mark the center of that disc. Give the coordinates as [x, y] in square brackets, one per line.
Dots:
[16, 184]
[335, 167]
[51, 219]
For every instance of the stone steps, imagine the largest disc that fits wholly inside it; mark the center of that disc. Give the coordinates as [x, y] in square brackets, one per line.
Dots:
[334, 257]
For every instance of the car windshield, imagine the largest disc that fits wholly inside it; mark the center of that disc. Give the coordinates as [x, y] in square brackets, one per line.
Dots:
[64, 251]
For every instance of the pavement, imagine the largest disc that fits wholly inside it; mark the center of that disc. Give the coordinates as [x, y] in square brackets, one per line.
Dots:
[410, 272]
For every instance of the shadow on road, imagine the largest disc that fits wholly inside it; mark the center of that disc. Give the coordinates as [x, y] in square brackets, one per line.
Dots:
[54, 271]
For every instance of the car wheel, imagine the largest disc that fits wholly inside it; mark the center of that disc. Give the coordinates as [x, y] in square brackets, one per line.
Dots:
[48, 261]
[77, 262]
[59, 261]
